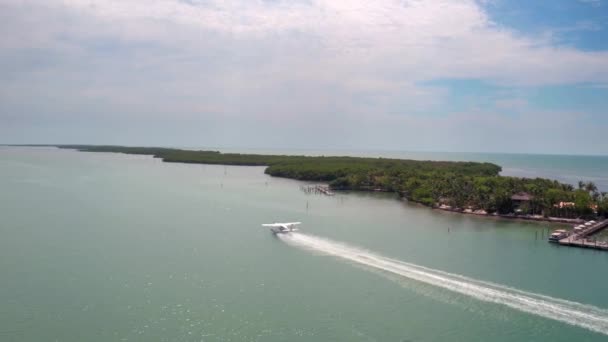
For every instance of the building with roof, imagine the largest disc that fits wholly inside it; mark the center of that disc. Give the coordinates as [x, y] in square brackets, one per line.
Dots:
[519, 199]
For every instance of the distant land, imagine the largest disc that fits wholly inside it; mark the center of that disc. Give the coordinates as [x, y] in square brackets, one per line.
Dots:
[469, 187]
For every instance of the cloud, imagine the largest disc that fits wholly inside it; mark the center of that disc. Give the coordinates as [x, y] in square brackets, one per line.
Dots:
[415, 40]
[300, 63]
[511, 104]
[594, 3]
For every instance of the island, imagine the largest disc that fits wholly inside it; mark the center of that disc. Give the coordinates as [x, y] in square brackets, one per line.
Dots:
[467, 187]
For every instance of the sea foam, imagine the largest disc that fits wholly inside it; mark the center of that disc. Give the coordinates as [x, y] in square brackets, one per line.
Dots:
[577, 314]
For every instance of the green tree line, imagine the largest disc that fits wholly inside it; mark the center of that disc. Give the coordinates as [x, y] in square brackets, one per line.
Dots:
[457, 184]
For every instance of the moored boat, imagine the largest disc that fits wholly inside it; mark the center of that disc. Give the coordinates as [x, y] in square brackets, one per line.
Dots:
[558, 235]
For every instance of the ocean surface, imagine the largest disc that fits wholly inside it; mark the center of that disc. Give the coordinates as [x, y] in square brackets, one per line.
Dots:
[114, 247]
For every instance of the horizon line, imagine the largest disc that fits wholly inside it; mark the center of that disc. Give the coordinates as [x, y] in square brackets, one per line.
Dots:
[304, 149]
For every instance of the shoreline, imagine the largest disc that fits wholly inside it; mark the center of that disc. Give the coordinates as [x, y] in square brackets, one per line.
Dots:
[428, 183]
[537, 218]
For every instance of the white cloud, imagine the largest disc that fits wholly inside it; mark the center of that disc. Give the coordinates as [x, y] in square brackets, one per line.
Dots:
[281, 61]
[409, 40]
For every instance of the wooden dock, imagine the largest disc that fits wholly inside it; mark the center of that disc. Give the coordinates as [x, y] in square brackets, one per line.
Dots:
[581, 239]
[317, 189]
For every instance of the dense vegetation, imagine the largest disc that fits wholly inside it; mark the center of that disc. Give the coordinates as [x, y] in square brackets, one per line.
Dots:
[455, 184]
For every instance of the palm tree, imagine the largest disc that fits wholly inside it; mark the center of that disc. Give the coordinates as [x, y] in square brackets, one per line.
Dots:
[581, 184]
[590, 187]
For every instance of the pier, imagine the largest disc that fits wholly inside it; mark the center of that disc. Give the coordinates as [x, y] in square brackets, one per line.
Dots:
[580, 239]
[317, 189]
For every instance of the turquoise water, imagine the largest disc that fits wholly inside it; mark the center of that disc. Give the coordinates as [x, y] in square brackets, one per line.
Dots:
[111, 247]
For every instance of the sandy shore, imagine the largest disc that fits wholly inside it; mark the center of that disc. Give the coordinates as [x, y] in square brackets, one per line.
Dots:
[513, 216]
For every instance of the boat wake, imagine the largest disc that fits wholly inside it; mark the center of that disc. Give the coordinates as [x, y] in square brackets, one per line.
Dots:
[577, 314]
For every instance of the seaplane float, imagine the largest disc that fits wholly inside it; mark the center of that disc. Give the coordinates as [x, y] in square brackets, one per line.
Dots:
[282, 228]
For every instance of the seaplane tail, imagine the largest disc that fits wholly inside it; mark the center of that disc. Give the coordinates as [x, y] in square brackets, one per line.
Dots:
[282, 228]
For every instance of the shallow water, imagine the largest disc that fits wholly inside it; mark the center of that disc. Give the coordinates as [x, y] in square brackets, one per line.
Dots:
[101, 247]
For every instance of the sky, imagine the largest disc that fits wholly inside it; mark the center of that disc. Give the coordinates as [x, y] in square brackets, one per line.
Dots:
[514, 76]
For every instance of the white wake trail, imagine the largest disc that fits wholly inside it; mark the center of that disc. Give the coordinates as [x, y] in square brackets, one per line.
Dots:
[581, 315]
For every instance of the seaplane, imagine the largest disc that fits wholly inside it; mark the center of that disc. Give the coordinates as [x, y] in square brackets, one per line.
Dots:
[282, 228]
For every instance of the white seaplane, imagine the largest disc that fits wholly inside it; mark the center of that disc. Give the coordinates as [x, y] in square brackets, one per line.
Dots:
[282, 228]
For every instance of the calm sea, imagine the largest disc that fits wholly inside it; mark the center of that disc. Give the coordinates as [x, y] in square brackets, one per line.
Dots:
[113, 247]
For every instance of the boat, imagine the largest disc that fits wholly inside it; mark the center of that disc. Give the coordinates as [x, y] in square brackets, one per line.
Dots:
[558, 235]
[282, 228]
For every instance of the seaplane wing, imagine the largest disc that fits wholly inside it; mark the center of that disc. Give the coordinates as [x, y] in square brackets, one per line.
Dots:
[281, 224]
[291, 223]
[282, 227]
